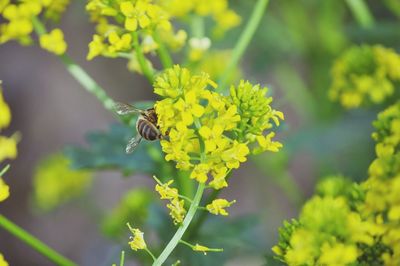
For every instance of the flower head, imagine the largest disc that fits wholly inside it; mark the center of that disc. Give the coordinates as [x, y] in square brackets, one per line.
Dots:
[218, 206]
[136, 241]
[364, 75]
[4, 191]
[53, 42]
[177, 210]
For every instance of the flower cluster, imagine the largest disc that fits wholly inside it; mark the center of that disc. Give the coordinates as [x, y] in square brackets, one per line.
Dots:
[208, 133]
[176, 205]
[137, 241]
[118, 21]
[61, 182]
[19, 22]
[224, 17]
[8, 145]
[365, 75]
[359, 222]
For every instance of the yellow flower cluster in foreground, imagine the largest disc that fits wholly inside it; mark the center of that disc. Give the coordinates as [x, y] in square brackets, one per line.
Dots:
[365, 75]
[351, 224]
[19, 19]
[210, 134]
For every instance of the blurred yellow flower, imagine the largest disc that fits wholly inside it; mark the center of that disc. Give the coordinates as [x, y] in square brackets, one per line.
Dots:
[5, 113]
[56, 183]
[218, 206]
[4, 193]
[8, 147]
[53, 42]
[3, 262]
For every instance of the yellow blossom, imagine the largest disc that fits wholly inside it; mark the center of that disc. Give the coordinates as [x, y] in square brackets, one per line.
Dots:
[4, 192]
[337, 254]
[218, 206]
[167, 192]
[266, 144]
[135, 14]
[3, 262]
[119, 43]
[96, 47]
[136, 241]
[177, 210]
[53, 42]
[8, 148]
[5, 113]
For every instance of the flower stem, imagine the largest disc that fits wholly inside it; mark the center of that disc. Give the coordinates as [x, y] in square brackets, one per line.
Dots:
[244, 40]
[122, 259]
[148, 73]
[163, 53]
[4, 170]
[361, 12]
[79, 73]
[35, 243]
[87, 82]
[182, 229]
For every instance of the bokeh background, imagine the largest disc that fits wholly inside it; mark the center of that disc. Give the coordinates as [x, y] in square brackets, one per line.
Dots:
[292, 53]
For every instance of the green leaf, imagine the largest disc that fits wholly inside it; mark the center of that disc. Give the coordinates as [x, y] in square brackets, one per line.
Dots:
[106, 150]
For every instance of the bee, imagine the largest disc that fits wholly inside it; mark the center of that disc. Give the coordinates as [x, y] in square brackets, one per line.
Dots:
[146, 124]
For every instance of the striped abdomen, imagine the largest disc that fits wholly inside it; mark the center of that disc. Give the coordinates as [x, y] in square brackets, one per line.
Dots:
[147, 129]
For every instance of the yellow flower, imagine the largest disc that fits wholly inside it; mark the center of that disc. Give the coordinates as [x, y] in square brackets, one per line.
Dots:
[4, 193]
[118, 43]
[137, 241]
[219, 174]
[8, 148]
[200, 172]
[135, 14]
[218, 206]
[337, 254]
[177, 210]
[166, 192]
[205, 249]
[235, 155]
[55, 183]
[53, 42]
[5, 113]
[3, 262]
[96, 47]
[266, 144]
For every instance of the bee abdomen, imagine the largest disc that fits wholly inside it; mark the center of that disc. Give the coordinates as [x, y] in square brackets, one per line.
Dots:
[147, 130]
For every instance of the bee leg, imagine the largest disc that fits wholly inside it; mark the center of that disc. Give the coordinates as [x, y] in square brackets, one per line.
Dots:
[132, 144]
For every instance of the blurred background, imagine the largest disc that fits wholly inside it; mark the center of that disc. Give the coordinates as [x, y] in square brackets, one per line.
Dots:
[292, 53]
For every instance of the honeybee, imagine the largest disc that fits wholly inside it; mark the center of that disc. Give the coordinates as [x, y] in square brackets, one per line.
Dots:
[146, 124]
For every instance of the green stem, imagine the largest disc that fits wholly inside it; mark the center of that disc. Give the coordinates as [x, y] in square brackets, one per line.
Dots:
[35, 243]
[197, 26]
[4, 170]
[244, 40]
[163, 53]
[150, 253]
[79, 73]
[87, 82]
[182, 229]
[361, 12]
[122, 259]
[148, 73]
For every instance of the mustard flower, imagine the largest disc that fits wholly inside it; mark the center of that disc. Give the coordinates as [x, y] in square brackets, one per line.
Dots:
[54, 42]
[5, 113]
[218, 206]
[177, 210]
[119, 43]
[55, 9]
[364, 75]
[206, 131]
[4, 191]
[55, 183]
[3, 262]
[8, 147]
[136, 241]
[167, 192]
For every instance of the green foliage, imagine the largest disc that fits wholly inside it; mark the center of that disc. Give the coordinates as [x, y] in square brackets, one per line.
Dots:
[106, 150]
[133, 207]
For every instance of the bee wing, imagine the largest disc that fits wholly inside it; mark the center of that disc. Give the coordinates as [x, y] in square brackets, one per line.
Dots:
[124, 109]
[133, 142]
